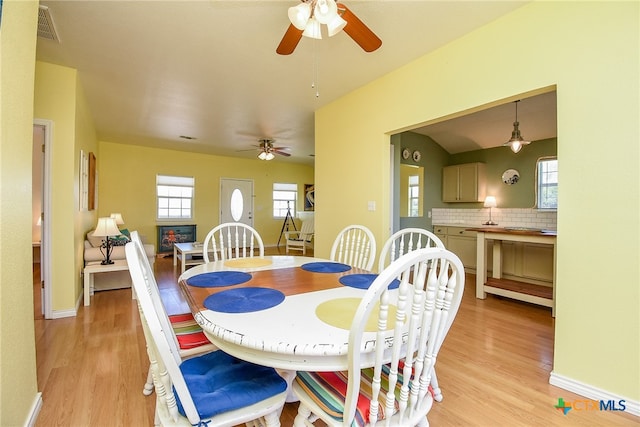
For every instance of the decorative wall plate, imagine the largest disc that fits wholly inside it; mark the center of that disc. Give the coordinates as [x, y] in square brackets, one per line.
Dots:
[406, 153]
[416, 156]
[510, 176]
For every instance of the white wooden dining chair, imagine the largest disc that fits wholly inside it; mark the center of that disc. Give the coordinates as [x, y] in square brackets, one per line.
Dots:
[404, 241]
[302, 239]
[211, 389]
[232, 240]
[403, 330]
[355, 245]
[183, 333]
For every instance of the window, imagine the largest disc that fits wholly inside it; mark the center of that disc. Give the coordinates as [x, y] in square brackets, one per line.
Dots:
[175, 196]
[547, 183]
[414, 195]
[284, 198]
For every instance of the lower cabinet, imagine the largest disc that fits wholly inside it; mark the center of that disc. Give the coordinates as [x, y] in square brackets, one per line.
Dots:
[461, 242]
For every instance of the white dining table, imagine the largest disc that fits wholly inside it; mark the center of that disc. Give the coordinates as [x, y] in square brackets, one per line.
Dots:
[308, 330]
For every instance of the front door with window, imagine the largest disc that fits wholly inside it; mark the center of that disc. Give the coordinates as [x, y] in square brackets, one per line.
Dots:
[236, 201]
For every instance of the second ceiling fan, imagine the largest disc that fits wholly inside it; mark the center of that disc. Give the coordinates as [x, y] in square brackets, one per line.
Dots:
[307, 17]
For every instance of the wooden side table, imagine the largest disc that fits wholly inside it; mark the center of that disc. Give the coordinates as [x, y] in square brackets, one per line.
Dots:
[185, 253]
[96, 267]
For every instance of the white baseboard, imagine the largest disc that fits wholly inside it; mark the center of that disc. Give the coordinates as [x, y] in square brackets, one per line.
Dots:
[59, 314]
[594, 393]
[35, 411]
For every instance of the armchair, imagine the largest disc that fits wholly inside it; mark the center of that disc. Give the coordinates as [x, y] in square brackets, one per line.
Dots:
[300, 240]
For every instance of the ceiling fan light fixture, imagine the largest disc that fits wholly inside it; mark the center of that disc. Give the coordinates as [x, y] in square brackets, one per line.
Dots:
[335, 25]
[299, 15]
[312, 30]
[325, 11]
[517, 141]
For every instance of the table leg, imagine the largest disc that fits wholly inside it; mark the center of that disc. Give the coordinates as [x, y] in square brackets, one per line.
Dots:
[88, 284]
[481, 265]
[175, 255]
[497, 259]
[184, 260]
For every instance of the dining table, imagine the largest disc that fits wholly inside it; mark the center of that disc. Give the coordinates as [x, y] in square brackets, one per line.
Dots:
[288, 312]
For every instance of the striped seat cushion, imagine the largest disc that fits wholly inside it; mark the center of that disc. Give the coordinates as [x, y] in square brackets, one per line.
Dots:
[328, 391]
[187, 331]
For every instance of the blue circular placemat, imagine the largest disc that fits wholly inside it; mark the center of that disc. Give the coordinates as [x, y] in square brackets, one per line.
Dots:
[363, 281]
[326, 267]
[218, 278]
[244, 300]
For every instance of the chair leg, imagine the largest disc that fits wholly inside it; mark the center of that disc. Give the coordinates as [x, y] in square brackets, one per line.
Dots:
[272, 419]
[304, 414]
[437, 392]
[148, 386]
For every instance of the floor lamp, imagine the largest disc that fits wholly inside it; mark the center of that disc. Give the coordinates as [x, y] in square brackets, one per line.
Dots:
[106, 227]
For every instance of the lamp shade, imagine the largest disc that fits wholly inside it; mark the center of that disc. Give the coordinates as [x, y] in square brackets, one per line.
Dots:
[118, 218]
[312, 29]
[336, 25]
[106, 227]
[490, 202]
[299, 15]
[325, 11]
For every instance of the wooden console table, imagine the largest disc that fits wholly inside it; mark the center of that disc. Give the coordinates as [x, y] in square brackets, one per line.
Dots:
[535, 294]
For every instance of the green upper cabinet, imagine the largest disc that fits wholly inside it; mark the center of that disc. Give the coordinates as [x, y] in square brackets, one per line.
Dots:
[464, 183]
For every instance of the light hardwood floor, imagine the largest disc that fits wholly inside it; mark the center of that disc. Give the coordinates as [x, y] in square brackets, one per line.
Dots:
[493, 367]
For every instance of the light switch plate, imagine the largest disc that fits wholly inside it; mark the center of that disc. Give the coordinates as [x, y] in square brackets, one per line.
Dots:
[372, 206]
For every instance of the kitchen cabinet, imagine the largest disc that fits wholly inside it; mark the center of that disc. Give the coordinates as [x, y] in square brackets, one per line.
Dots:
[464, 183]
[461, 242]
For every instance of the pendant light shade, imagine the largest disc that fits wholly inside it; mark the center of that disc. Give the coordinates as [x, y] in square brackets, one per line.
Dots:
[516, 142]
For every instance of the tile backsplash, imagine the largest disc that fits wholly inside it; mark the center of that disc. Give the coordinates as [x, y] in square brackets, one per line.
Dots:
[505, 217]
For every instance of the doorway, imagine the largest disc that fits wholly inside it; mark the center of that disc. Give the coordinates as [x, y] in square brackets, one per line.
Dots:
[41, 232]
[236, 201]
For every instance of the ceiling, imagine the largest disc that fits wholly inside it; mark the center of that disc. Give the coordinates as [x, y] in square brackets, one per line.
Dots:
[154, 72]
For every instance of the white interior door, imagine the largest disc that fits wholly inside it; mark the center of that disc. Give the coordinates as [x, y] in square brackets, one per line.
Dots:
[236, 201]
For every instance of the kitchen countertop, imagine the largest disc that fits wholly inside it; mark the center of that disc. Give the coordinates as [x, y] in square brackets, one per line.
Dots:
[514, 230]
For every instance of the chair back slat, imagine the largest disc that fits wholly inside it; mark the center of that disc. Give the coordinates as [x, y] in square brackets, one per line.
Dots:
[355, 245]
[232, 240]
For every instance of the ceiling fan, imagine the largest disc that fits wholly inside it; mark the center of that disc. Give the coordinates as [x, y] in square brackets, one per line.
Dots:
[268, 151]
[307, 17]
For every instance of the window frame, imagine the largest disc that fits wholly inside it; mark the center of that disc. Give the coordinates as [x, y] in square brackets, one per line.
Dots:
[411, 212]
[284, 187]
[541, 187]
[180, 183]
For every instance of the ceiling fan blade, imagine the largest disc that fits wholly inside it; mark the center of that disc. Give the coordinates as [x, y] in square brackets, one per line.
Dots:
[289, 41]
[282, 153]
[358, 31]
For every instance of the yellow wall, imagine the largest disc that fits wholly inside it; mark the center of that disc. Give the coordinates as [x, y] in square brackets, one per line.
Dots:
[127, 179]
[590, 50]
[18, 386]
[59, 98]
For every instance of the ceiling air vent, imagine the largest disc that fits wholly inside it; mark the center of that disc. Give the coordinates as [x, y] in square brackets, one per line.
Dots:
[46, 29]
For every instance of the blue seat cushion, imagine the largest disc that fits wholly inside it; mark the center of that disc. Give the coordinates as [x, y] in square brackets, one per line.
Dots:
[219, 383]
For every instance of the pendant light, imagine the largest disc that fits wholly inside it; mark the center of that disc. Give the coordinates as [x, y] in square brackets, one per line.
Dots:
[516, 142]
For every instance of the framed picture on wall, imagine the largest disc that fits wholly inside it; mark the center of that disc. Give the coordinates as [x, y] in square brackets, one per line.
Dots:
[309, 197]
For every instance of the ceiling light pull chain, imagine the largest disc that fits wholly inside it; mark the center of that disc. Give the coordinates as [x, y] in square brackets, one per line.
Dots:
[314, 83]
